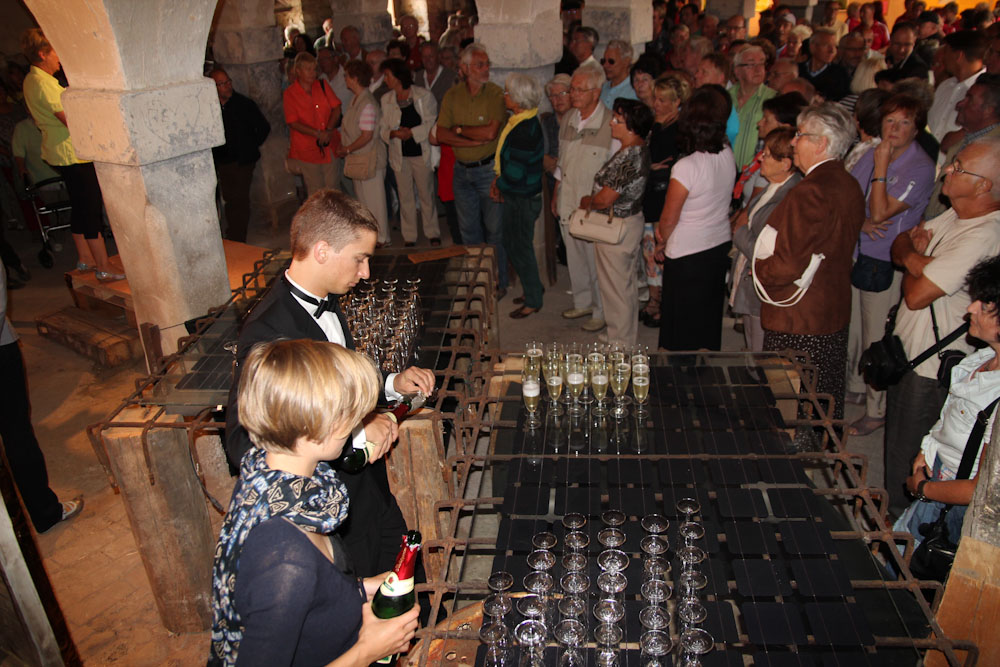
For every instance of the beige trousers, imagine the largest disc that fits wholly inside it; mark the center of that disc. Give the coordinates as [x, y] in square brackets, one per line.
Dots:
[371, 193]
[618, 282]
[414, 171]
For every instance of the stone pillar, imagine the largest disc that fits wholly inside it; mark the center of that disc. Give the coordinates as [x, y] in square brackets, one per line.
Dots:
[631, 20]
[726, 8]
[314, 12]
[140, 108]
[248, 45]
[369, 16]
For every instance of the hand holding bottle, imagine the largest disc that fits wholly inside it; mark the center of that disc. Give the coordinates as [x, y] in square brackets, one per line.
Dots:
[413, 379]
[382, 637]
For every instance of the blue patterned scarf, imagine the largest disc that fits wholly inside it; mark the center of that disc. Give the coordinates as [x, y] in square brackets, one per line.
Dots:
[317, 504]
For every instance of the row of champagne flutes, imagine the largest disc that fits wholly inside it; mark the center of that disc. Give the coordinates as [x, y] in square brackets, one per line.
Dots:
[581, 376]
[541, 606]
[388, 318]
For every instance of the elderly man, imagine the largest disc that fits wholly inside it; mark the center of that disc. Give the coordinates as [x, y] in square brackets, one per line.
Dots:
[936, 256]
[830, 78]
[329, 69]
[326, 39]
[350, 44]
[781, 73]
[434, 76]
[585, 144]
[470, 119]
[246, 129]
[830, 10]
[978, 115]
[748, 96]
[903, 62]
[820, 217]
[582, 43]
[851, 51]
[963, 60]
[616, 62]
[408, 27]
[736, 28]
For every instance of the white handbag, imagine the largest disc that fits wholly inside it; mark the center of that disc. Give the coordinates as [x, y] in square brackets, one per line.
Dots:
[596, 227]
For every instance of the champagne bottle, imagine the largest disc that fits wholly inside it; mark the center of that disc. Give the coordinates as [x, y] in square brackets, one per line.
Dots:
[355, 457]
[396, 595]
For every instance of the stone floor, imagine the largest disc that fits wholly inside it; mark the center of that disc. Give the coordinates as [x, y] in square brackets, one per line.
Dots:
[92, 561]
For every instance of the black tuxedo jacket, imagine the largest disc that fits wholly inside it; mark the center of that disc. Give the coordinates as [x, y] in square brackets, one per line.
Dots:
[374, 523]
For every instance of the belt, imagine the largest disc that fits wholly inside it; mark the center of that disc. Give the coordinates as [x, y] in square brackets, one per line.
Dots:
[480, 163]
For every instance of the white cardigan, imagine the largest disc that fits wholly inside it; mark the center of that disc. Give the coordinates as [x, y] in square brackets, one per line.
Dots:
[427, 108]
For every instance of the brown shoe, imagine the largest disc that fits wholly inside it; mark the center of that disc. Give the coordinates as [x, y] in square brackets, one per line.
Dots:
[522, 312]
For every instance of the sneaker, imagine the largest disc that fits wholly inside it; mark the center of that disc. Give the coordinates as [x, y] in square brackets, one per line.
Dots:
[594, 324]
[108, 277]
[575, 313]
[70, 508]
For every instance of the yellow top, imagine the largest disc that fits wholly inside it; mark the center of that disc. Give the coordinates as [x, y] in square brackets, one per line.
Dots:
[43, 97]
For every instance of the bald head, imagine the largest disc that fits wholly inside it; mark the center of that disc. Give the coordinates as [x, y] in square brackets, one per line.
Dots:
[971, 180]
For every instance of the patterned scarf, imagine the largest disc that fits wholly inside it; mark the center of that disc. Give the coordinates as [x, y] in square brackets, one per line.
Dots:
[317, 504]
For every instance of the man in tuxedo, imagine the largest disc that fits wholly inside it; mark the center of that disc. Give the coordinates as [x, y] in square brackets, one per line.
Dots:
[332, 239]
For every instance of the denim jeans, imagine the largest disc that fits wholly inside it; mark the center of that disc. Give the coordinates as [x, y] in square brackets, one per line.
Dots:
[479, 217]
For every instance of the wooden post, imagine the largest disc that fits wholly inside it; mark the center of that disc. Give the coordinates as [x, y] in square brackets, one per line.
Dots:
[415, 468]
[168, 515]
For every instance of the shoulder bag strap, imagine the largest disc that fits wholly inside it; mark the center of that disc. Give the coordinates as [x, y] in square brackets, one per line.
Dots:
[975, 441]
[940, 345]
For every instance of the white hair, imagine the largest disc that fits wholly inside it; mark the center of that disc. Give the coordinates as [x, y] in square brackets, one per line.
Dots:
[623, 47]
[471, 50]
[742, 55]
[832, 121]
[523, 90]
[593, 73]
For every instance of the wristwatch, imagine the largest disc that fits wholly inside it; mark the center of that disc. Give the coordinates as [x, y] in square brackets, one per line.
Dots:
[920, 490]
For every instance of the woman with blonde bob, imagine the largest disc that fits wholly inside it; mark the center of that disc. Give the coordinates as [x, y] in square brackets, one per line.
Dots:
[279, 592]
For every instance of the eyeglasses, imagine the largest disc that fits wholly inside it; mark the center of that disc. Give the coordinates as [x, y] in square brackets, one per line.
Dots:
[609, 61]
[956, 167]
[805, 134]
[574, 89]
[615, 120]
[754, 65]
[561, 93]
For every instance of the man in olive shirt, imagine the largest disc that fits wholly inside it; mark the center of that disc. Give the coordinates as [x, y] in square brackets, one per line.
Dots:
[472, 114]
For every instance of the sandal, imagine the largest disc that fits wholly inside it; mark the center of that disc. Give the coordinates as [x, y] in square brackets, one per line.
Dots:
[522, 312]
[865, 425]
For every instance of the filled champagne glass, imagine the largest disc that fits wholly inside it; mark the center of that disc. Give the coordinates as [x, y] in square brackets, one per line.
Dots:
[619, 383]
[533, 354]
[640, 385]
[554, 382]
[599, 384]
[574, 383]
[531, 391]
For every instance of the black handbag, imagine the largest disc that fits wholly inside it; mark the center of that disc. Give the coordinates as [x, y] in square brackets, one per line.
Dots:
[884, 363]
[932, 559]
[947, 359]
[871, 274]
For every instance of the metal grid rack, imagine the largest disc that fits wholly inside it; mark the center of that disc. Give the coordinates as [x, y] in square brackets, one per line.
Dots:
[795, 538]
[458, 296]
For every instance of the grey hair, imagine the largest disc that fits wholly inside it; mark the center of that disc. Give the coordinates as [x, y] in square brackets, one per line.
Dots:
[590, 33]
[623, 47]
[990, 168]
[700, 45]
[832, 121]
[593, 73]
[523, 90]
[558, 80]
[742, 55]
[466, 56]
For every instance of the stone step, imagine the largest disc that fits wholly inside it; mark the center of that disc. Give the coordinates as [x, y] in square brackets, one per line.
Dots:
[110, 341]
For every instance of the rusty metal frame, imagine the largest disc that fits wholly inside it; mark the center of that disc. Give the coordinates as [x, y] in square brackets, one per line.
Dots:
[848, 471]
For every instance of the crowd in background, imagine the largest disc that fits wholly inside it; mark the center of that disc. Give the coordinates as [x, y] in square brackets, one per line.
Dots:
[807, 177]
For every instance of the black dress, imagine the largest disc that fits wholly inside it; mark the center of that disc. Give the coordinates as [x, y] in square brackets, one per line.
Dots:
[662, 145]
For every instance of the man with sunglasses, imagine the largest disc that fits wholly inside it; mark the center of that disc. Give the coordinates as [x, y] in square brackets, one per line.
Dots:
[936, 256]
[616, 63]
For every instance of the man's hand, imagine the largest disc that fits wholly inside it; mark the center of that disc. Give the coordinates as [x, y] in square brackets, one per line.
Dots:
[381, 431]
[921, 238]
[414, 379]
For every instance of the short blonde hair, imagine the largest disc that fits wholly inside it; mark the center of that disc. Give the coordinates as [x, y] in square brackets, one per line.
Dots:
[293, 389]
[34, 45]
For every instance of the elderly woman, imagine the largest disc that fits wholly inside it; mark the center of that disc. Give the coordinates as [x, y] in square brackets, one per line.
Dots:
[778, 169]
[643, 73]
[782, 110]
[312, 110]
[793, 47]
[279, 592]
[693, 234]
[822, 215]
[557, 92]
[868, 120]
[670, 92]
[357, 134]
[897, 178]
[618, 189]
[975, 385]
[43, 98]
[518, 184]
[408, 114]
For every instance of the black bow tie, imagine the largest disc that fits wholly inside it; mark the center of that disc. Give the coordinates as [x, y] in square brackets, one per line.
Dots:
[322, 305]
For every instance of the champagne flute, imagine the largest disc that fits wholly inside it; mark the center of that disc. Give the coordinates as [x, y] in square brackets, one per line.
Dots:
[640, 386]
[619, 383]
[533, 358]
[531, 391]
[554, 382]
[574, 382]
[599, 384]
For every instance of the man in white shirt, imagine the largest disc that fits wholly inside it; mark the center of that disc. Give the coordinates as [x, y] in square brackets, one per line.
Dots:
[434, 77]
[963, 59]
[936, 256]
[332, 239]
